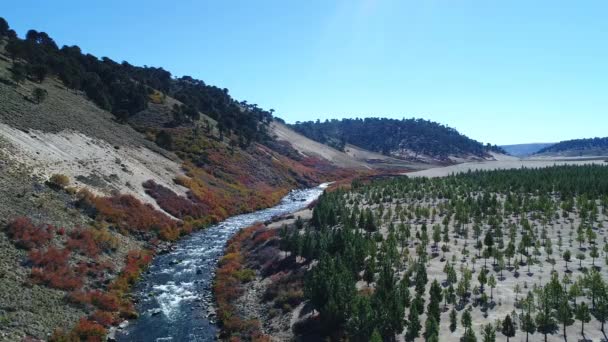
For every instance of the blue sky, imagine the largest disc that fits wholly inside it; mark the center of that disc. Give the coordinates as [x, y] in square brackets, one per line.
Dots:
[498, 71]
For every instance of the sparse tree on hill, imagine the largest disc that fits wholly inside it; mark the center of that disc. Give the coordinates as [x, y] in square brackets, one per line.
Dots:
[18, 72]
[39, 95]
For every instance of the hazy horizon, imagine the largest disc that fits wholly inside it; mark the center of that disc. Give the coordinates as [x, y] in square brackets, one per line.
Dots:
[508, 73]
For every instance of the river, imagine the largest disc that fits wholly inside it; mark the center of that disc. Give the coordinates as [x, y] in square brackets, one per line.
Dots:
[175, 294]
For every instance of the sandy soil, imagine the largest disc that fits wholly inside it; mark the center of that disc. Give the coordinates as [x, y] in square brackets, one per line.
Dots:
[503, 162]
[90, 162]
[504, 293]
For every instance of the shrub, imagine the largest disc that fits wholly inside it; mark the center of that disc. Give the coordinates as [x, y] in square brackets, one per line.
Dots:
[104, 239]
[83, 241]
[104, 301]
[127, 214]
[18, 72]
[39, 95]
[27, 235]
[245, 275]
[174, 204]
[50, 268]
[59, 181]
[104, 318]
[87, 330]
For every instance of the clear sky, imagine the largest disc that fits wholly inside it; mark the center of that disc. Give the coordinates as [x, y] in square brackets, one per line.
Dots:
[498, 71]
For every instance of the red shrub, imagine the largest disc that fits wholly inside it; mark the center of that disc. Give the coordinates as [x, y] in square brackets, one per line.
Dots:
[104, 318]
[264, 235]
[87, 330]
[26, 235]
[95, 270]
[126, 213]
[82, 240]
[79, 297]
[174, 204]
[51, 269]
[104, 301]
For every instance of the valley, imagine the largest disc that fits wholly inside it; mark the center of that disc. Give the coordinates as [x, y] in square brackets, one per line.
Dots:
[141, 205]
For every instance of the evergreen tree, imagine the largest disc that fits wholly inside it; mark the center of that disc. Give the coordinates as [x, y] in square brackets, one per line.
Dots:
[413, 326]
[564, 314]
[545, 321]
[376, 337]
[39, 95]
[492, 284]
[453, 320]
[508, 327]
[582, 314]
[489, 333]
[567, 257]
[527, 325]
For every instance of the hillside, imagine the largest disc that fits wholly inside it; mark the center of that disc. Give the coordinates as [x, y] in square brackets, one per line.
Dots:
[350, 157]
[577, 147]
[409, 139]
[102, 165]
[524, 150]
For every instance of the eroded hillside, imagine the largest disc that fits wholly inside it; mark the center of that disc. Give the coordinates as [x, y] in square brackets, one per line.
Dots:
[87, 197]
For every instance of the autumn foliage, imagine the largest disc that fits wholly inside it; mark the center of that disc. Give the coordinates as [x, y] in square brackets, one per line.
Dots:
[126, 212]
[227, 288]
[51, 268]
[176, 205]
[82, 240]
[27, 235]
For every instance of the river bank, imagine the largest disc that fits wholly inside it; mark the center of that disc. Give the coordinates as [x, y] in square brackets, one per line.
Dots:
[174, 297]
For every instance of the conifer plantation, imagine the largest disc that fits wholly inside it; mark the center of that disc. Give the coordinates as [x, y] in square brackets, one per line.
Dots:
[516, 253]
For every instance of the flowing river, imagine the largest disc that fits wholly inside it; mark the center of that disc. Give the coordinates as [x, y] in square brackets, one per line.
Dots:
[175, 295]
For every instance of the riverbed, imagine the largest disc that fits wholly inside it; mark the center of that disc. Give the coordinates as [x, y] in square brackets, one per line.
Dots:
[174, 297]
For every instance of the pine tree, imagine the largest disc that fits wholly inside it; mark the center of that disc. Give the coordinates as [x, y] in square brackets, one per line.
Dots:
[582, 314]
[466, 320]
[375, 337]
[413, 326]
[601, 310]
[544, 318]
[489, 333]
[528, 325]
[453, 320]
[508, 328]
[567, 257]
[492, 284]
[564, 314]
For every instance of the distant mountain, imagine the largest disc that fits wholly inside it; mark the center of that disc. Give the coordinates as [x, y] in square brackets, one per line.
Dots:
[578, 147]
[524, 150]
[411, 139]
